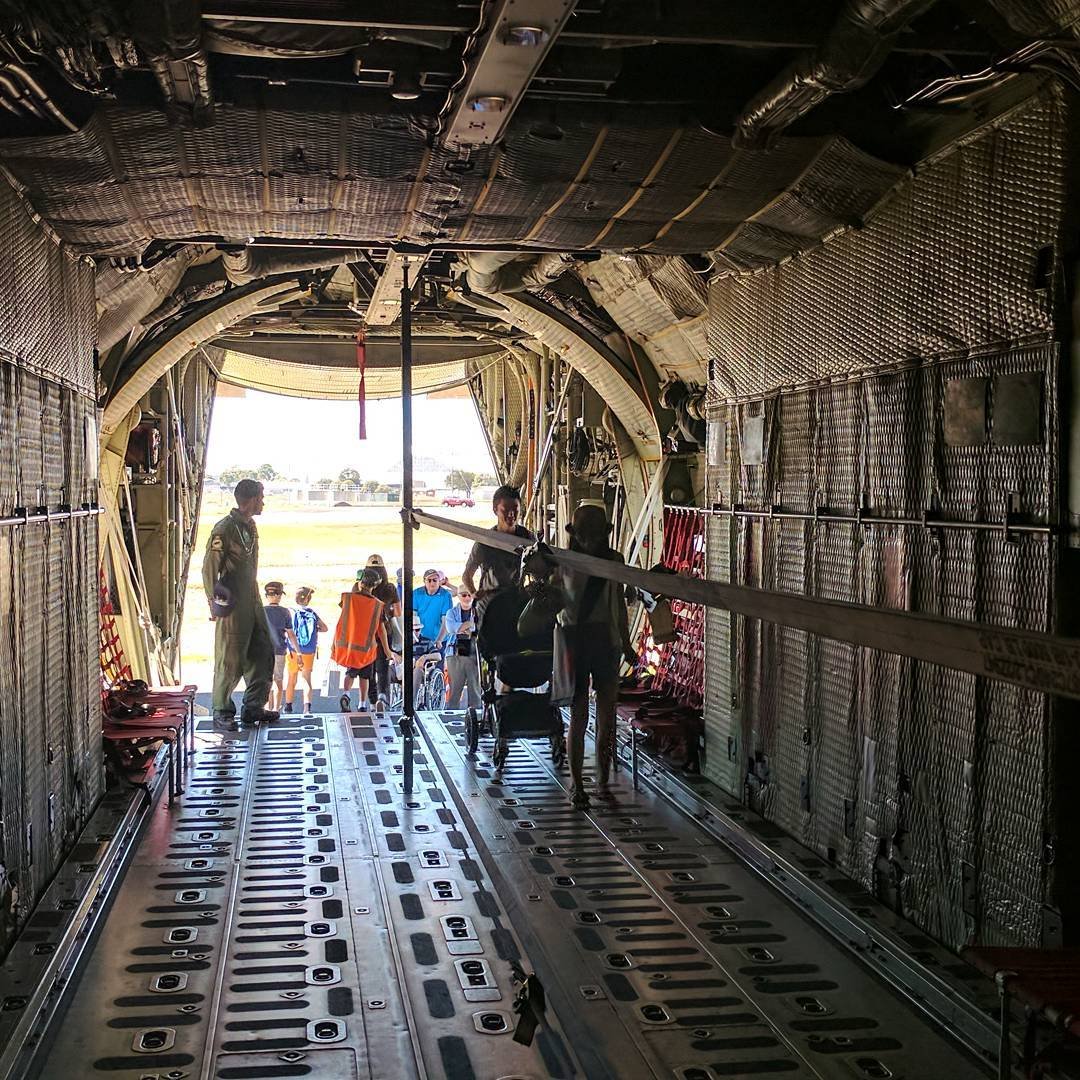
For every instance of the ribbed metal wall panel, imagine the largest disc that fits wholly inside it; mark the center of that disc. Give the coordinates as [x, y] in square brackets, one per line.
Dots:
[924, 785]
[50, 718]
[723, 752]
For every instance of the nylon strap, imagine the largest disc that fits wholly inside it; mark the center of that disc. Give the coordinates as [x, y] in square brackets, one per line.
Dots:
[1042, 662]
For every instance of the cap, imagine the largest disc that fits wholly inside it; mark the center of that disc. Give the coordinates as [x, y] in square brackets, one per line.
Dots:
[273, 586]
[428, 573]
[376, 560]
[223, 602]
[370, 577]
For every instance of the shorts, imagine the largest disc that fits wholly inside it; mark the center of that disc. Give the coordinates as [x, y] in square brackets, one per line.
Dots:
[279, 667]
[365, 672]
[305, 662]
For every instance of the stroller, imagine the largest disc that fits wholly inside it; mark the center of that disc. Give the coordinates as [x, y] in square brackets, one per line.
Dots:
[524, 711]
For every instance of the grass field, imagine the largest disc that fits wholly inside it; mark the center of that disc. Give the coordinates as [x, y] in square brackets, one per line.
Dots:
[320, 548]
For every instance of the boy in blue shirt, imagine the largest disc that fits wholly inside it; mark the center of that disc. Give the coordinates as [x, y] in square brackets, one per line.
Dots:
[306, 627]
[279, 619]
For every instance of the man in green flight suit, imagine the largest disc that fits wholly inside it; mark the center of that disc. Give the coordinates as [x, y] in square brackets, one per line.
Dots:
[242, 643]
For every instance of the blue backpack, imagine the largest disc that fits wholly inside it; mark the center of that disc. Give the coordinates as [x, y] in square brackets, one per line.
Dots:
[306, 625]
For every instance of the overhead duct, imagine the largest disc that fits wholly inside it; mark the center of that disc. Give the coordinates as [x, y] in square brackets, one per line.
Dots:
[848, 58]
[1040, 18]
[169, 35]
[491, 272]
[602, 367]
[251, 263]
[149, 362]
[125, 298]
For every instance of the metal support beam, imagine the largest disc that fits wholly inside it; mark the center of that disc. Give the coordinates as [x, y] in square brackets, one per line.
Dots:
[1047, 663]
[517, 37]
[389, 297]
[408, 705]
[767, 24]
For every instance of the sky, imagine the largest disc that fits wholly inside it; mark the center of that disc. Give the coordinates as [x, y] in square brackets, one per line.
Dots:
[310, 439]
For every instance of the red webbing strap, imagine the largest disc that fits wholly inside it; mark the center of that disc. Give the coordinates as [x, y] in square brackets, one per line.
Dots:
[680, 664]
[361, 393]
[1042, 662]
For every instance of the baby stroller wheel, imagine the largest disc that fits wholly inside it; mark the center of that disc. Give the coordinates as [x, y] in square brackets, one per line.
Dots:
[472, 731]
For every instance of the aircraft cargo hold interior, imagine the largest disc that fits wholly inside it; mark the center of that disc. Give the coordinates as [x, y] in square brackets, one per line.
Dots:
[765, 317]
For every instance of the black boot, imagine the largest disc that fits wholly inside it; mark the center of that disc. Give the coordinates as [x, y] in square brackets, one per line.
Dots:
[258, 715]
[225, 721]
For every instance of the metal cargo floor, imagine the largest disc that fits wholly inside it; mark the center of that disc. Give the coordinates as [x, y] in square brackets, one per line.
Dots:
[297, 915]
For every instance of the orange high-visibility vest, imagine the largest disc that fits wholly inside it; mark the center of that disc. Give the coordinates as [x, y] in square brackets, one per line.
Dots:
[356, 641]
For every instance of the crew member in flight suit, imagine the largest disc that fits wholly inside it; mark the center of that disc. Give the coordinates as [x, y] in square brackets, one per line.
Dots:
[242, 643]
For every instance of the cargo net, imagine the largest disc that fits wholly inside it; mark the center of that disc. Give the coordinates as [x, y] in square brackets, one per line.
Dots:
[677, 668]
[114, 665]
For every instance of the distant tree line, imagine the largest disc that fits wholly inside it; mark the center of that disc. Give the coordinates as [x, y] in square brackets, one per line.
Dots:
[456, 479]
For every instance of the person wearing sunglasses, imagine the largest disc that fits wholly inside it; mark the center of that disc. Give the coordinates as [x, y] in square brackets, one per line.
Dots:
[279, 619]
[430, 603]
[461, 663]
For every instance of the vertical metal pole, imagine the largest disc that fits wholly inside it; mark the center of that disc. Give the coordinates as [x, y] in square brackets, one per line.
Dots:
[409, 696]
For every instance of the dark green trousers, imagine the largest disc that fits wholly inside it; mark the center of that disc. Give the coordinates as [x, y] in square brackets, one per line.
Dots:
[242, 650]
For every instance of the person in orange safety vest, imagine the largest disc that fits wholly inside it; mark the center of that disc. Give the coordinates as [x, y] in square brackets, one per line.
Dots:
[359, 635]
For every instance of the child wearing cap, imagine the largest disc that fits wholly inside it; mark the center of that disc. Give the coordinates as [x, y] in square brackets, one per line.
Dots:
[279, 619]
[306, 627]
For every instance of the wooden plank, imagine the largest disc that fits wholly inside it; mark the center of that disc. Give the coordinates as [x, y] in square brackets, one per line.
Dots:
[1042, 662]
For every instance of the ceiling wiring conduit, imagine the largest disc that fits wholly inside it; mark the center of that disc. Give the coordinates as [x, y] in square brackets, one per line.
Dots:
[851, 54]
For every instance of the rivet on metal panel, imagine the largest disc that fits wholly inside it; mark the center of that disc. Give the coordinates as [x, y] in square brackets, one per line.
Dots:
[591, 993]
[376, 1003]
[361, 911]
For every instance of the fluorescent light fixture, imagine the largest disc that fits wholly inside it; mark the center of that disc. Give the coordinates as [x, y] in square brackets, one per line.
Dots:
[527, 37]
[385, 305]
[488, 104]
[520, 33]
